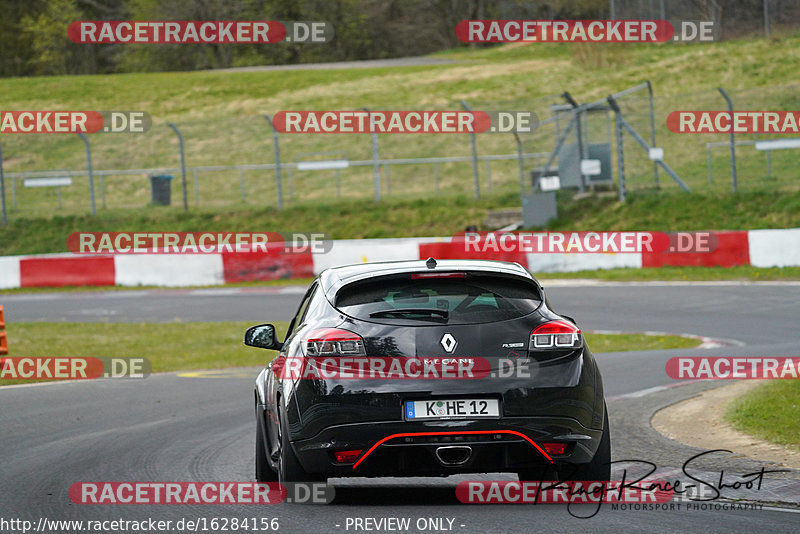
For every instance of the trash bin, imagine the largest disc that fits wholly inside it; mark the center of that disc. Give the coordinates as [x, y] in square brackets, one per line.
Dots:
[160, 189]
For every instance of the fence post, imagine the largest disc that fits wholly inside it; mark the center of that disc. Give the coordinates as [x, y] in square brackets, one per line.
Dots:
[576, 114]
[196, 183]
[710, 170]
[733, 141]
[620, 156]
[278, 186]
[653, 118]
[183, 165]
[3, 188]
[436, 177]
[556, 125]
[241, 185]
[520, 164]
[89, 167]
[769, 162]
[474, 156]
[3, 335]
[376, 166]
[766, 18]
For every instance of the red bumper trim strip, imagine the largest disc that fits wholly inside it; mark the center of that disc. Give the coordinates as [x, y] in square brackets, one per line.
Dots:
[412, 434]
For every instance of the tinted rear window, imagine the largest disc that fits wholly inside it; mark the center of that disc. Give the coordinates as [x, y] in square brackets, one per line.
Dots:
[474, 299]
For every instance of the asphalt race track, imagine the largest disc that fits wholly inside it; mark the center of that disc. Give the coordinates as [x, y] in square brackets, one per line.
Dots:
[170, 427]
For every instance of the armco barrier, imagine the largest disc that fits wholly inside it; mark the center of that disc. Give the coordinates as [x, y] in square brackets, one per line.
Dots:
[67, 271]
[774, 248]
[732, 249]
[761, 248]
[252, 266]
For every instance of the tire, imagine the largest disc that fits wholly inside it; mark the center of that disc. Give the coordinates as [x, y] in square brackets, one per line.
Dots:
[600, 466]
[264, 473]
[289, 468]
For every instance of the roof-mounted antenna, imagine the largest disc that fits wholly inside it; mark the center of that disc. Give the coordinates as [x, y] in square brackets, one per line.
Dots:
[431, 263]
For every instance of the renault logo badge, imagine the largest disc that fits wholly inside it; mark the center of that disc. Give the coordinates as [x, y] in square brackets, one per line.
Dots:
[449, 342]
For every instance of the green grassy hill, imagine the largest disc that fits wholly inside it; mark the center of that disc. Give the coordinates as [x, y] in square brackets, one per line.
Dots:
[219, 114]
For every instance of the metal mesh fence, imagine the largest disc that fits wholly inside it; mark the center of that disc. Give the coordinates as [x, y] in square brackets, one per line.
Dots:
[703, 160]
[732, 18]
[231, 162]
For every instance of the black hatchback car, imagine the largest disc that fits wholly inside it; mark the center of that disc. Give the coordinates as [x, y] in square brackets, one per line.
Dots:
[421, 368]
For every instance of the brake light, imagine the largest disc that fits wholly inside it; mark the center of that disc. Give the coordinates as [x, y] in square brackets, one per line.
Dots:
[347, 457]
[555, 335]
[555, 449]
[422, 276]
[334, 342]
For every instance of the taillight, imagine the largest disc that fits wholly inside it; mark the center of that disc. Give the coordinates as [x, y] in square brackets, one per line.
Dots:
[334, 342]
[555, 335]
[347, 457]
[555, 449]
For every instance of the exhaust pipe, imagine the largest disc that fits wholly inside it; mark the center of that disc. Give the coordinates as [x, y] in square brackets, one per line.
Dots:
[454, 454]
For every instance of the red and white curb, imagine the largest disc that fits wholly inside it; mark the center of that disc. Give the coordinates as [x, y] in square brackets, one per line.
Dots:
[760, 248]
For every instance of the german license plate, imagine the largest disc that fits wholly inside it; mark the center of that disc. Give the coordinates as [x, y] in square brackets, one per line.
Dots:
[452, 409]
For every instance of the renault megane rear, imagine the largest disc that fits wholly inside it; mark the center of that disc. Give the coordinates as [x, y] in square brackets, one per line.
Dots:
[422, 368]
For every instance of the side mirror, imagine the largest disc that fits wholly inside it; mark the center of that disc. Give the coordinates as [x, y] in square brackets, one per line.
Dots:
[263, 337]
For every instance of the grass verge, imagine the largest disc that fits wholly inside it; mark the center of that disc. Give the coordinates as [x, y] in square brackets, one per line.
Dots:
[187, 346]
[169, 346]
[624, 342]
[769, 412]
[423, 217]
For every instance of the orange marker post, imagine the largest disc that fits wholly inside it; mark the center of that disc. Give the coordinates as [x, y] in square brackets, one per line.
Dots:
[3, 337]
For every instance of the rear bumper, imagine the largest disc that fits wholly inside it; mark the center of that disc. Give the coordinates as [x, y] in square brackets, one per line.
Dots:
[501, 445]
[569, 389]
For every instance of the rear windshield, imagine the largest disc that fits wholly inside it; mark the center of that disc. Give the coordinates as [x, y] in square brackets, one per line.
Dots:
[473, 299]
